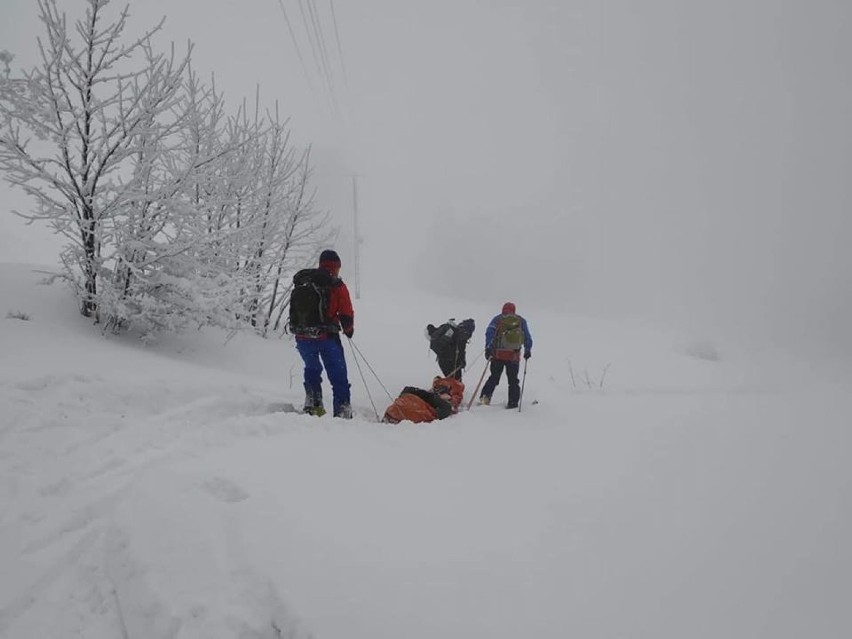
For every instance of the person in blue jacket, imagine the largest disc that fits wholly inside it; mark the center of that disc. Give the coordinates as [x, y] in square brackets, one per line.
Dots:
[506, 336]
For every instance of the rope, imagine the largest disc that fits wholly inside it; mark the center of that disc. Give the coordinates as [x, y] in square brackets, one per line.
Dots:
[355, 346]
[361, 373]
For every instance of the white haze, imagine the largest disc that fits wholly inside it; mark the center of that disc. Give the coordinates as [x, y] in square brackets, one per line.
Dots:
[682, 160]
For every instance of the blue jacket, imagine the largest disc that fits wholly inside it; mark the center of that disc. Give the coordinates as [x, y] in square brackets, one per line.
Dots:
[492, 329]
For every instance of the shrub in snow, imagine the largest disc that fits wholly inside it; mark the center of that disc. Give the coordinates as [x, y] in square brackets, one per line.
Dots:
[702, 349]
[586, 379]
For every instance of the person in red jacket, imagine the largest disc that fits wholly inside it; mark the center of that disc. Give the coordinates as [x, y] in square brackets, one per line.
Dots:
[321, 345]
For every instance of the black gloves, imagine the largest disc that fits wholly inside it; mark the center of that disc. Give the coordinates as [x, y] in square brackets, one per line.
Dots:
[347, 325]
[527, 354]
[489, 353]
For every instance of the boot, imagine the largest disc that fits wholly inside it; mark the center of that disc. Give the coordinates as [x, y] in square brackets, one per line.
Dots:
[313, 405]
[344, 411]
[484, 400]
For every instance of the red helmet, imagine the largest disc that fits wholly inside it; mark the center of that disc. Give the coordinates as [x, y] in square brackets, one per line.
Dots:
[508, 307]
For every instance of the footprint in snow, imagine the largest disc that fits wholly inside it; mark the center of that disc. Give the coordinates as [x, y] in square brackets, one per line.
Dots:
[225, 490]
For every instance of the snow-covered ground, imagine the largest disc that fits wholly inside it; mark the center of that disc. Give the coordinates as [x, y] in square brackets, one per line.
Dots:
[673, 487]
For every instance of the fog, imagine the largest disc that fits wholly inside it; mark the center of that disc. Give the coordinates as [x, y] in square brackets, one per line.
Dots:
[686, 161]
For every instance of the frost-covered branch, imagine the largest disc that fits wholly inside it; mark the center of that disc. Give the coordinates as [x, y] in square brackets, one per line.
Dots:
[175, 212]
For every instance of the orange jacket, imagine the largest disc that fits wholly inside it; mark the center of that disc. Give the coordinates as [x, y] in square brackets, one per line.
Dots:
[449, 389]
[408, 407]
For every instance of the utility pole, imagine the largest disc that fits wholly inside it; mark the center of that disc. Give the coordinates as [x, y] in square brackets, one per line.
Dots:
[357, 237]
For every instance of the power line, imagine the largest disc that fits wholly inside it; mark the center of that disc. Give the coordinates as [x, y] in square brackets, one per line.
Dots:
[296, 44]
[312, 20]
[337, 39]
[317, 56]
[320, 35]
[310, 38]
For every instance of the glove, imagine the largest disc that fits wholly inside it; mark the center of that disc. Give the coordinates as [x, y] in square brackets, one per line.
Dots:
[527, 354]
[489, 353]
[349, 332]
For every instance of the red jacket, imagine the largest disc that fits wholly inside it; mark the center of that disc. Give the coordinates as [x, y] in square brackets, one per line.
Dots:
[340, 311]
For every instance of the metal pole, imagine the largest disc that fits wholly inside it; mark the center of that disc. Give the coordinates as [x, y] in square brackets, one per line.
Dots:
[357, 237]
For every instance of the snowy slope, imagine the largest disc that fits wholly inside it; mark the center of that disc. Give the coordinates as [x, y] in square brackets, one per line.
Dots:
[148, 491]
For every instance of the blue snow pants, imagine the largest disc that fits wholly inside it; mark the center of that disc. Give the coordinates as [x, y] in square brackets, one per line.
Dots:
[330, 351]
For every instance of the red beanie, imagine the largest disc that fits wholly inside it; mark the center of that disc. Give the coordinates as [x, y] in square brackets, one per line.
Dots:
[330, 261]
[508, 307]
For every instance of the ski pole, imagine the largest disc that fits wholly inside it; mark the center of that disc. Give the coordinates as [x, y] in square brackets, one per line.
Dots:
[475, 360]
[523, 381]
[476, 390]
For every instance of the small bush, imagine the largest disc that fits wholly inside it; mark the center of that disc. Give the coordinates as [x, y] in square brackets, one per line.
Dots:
[19, 315]
[584, 378]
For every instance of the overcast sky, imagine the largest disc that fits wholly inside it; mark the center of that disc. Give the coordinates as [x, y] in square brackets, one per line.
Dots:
[669, 157]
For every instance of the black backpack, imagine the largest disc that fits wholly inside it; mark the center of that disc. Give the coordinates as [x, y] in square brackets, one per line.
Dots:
[448, 336]
[443, 339]
[309, 302]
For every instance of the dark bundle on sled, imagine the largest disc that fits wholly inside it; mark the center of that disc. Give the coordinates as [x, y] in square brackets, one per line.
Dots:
[419, 405]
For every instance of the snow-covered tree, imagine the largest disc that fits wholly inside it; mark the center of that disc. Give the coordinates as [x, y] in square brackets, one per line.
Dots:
[177, 213]
[167, 272]
[73, 124]
[286, 227]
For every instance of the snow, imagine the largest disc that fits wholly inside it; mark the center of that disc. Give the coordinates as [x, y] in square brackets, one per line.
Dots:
[149, 491]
